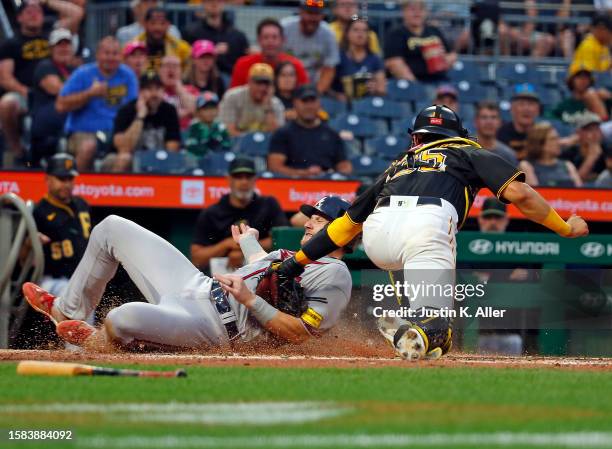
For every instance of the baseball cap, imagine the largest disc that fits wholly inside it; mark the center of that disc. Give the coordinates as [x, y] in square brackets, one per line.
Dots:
[525, 90]
[148, 78]
[131, 47]
[493, 207]
[330, 207]
[261, 72]
[586, 119]
[242, 165]
[602, 19]
[58, 35]
[317, 6]
[61, 165]
[305, 91]
[207, 98]
[202, 47]
[447, 89]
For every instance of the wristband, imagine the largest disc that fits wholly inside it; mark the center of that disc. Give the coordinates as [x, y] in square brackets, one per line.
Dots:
[262, 311]
[555, 223]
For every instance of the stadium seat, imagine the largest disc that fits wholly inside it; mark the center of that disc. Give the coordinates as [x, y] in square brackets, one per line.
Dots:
[516, 73]
[464, 72]
[469, 91]
[360, 127]
[370, 166]
[562, 128]
[402, 90]
[387, 147]
[253, 144]
[161, 161]
[216, 164]
[401, 127]
[378, 107]
[332, 106]
[603, 79]
[467, 112]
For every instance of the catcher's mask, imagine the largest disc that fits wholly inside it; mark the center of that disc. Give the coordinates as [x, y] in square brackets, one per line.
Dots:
[438, 120]
[329, 207]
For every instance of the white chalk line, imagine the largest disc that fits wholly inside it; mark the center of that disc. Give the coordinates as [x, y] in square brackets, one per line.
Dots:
[501, 439]
[229, 414]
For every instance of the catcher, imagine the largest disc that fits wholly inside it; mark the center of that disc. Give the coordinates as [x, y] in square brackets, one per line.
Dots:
[411, 214]
[187, 309]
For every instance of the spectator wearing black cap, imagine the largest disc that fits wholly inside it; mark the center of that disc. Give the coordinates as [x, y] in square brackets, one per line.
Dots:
[593, 53]
[214, 24]
[588, 155]
[524, 110]
[213, 236]
[49, 78]
[307, 147]
[64, 222]
[128, 33]
[493, 216]
[147, 123]
[310, 39]
[415, 50]
[160, 42]
[584, 98]
[206, 133]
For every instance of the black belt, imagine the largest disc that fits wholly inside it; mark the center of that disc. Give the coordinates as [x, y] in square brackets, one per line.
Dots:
[422, 201]
[227, 315]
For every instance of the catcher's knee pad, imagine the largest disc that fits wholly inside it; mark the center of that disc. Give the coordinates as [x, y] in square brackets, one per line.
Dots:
[435, 330]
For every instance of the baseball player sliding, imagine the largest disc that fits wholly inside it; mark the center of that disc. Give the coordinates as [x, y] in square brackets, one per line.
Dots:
[190, 310]
[410, 215]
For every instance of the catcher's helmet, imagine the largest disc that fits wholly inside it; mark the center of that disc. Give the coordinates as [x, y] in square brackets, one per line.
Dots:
[330, 207]
[440, 120]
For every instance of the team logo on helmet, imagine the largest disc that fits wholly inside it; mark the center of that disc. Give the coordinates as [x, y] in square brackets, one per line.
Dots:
[436, 121]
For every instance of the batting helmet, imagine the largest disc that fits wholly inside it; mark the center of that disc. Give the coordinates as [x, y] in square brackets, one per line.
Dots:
[440, 120]
[330, 207]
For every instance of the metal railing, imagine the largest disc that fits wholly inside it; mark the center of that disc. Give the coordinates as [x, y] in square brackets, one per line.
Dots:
[16, 225]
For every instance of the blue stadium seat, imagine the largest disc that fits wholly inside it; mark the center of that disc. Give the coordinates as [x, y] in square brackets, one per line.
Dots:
[161, 161]
[361, 127]
[387, 147]
[369, 165]
[467, 112]
[253, 144]
[562, 128]
[332, 106]
[401, 127]
[516, 73]
[467, 71]
[216, 163]
[378, 107]
[402, 90]
[469, 91]
[603, 79]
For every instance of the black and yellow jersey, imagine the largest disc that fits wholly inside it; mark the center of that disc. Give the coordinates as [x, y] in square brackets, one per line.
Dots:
[68, 227]
[453, 169]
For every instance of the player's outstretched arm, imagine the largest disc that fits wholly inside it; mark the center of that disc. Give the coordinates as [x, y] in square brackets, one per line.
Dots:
[535, 207]
[281, 324]
[248, 239]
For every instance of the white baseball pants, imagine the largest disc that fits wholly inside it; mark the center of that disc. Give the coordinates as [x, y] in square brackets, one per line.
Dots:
[179, 312]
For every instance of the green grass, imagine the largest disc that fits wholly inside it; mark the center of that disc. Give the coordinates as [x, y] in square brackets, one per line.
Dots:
[413, 401]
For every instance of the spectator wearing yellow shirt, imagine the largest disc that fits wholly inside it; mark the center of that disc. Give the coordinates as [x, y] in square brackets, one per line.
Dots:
[344, 11]
[593, 53]
[160, 42]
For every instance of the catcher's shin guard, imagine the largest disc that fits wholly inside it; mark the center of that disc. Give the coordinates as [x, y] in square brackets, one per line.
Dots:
[424, 338]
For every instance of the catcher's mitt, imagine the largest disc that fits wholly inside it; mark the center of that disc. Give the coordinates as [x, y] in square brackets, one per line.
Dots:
[284, 293]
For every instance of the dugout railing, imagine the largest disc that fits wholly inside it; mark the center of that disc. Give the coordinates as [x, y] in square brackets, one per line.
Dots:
[17, 228]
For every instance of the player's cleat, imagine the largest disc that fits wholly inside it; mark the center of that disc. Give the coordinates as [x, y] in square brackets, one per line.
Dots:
[39, 299]
[75, 331]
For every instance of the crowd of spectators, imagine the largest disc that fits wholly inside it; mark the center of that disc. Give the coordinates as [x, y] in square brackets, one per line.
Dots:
[201, 87]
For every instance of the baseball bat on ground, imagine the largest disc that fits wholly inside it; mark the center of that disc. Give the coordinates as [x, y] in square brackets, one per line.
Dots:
[37, 368]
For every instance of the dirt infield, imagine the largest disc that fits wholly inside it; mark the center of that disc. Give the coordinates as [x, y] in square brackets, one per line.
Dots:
[306, 360]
